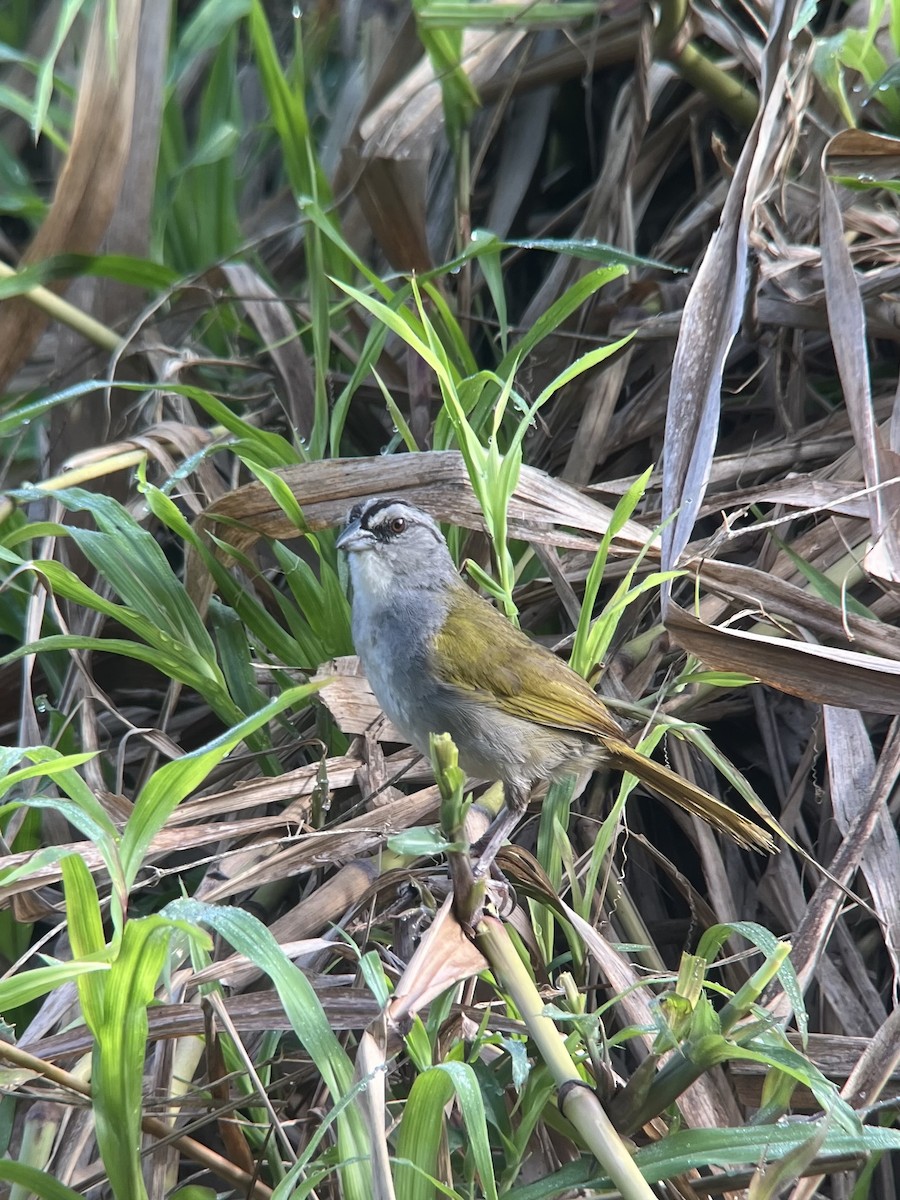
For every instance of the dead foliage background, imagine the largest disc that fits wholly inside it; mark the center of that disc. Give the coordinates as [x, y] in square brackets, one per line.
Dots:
[236, 168]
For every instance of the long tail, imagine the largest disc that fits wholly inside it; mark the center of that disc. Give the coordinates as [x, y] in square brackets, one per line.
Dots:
[689, 797]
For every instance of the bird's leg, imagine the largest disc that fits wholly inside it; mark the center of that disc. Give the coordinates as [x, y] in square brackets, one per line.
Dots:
[500, 828]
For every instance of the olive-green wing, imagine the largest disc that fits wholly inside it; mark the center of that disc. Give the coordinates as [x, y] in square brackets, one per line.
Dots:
[494, 660]
[492, 657]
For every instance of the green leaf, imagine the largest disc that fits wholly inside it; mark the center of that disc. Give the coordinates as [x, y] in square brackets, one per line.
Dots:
[120, 1044]
[133, 562]
[251, 938]
[422, 1125]
[579, 366]
[713, 939]
[828, 590]
[36, 1182]
[44, 87]
[49, 763]
[169, 785]
[206, 29]
[562, 308]
[29, 411]
[82, 808]
[287, 110]
[444, 47]
[168, 662]
[421, 842]
[745, 1146]
[85, 926]
[583, 657]
[137, 272]
[29, 985]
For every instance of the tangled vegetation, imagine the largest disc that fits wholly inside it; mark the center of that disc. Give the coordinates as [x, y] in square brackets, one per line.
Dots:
[611, 289]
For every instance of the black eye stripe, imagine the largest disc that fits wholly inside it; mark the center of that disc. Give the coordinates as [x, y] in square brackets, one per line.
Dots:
[374, 517]
[369, 517]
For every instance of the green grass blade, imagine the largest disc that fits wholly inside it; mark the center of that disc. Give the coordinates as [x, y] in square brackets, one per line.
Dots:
[85, 926]
[132, 561]
[251, 938]
[169, 785]
[36, 1182]
[30, 985]
[580, 659]
[547, 322]
[206, 28]
[120, 1048]
[82, 808]
[579, 366]
[422, 1126]
[167, 661]
[280, 645]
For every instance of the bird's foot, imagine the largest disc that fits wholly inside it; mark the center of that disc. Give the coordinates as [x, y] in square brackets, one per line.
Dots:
[499, 830]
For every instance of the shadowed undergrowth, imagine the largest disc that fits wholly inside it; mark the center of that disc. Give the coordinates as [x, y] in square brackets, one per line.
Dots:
[615, 302]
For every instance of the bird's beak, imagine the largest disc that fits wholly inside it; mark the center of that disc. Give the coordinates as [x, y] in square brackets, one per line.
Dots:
[353, 538]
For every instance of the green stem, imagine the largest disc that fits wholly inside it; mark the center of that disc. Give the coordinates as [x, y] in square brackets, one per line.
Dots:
[743, 1000]
[735, 100]
[634, 1111]
[638, 1105]
[672, 42]
[61, 310]
[577, 1100]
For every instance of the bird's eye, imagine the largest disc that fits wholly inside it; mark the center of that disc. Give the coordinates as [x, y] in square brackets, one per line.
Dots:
[397, 525]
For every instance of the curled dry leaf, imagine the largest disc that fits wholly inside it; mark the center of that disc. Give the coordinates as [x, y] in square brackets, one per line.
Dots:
[851, 771]
[847, 322]
[444, 957]
[542, 509]
[88, 186]
[714, 308]
[275, 326]
[824, 674]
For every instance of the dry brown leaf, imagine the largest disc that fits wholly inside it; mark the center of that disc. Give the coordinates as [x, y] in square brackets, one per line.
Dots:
[397, 139]
[371, 1066]
[313, 915]
[272, 319]
[851, 771]
[816, 916]
[771, 596]
[406, 123]
[714, 308]
[130, 225]
[350, 840]
[199, 822]
[391, 194]
[351, 701]
[542, 509]
[444, 957]
[824, 674]
[89, 184]
[347, 1008]
[847, 321]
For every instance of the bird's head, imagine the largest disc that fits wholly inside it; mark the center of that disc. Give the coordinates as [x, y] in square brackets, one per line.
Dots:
[391, 543]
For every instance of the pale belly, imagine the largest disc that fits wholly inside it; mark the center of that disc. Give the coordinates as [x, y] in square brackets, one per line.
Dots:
[492, 744]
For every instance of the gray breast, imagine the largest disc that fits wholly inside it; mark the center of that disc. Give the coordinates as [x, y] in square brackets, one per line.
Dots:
[394, 647]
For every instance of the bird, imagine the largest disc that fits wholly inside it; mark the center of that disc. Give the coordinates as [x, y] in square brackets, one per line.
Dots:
[439, 658]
